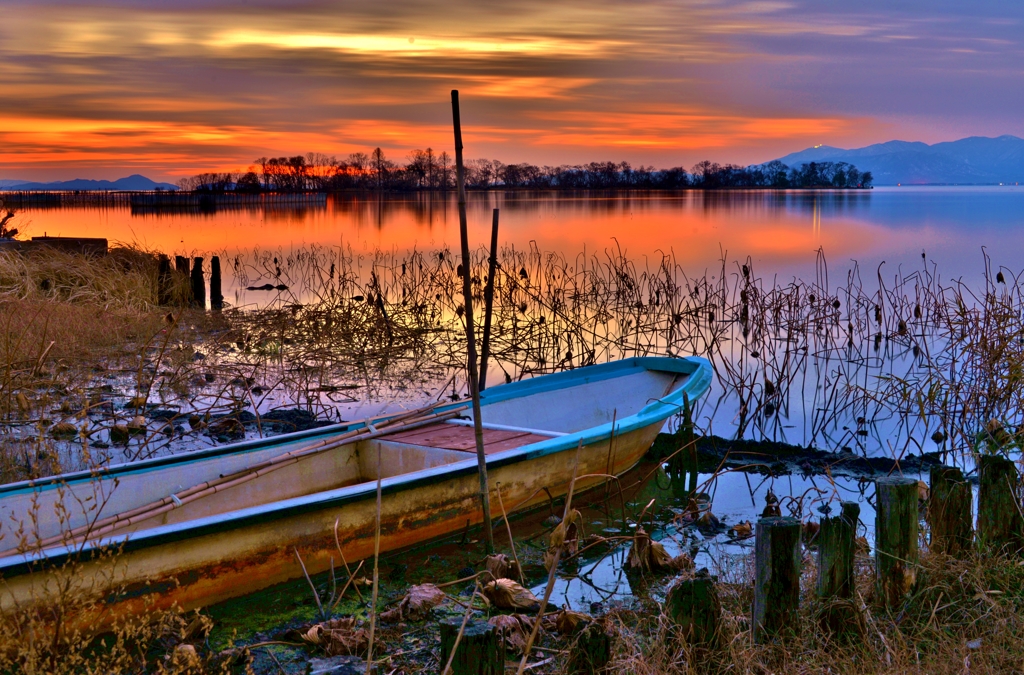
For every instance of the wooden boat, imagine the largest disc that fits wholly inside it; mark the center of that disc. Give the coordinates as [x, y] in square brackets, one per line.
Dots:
[201, 527]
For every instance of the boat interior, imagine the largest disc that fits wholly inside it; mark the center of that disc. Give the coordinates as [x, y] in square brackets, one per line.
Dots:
[508, 424]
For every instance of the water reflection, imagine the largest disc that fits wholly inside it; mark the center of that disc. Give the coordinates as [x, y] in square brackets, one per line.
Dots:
[780, 230]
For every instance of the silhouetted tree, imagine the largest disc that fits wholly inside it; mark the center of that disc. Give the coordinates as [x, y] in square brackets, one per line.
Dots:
[248, 182]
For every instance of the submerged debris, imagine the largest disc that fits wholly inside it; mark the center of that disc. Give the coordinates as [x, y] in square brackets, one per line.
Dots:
[648, 555]
[416, 604]
[337, 637]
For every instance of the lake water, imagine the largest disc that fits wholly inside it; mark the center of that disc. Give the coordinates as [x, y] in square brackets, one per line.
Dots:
[780, 231]
[779, 234]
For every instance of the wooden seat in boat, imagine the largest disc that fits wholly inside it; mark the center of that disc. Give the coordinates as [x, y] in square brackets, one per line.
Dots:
[457, 437]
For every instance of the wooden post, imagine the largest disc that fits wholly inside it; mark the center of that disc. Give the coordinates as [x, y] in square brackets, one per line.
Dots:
[480, 650]
[683, 464]
[181, 266]
[836, 550]
[693, 606]
[163, 281]
[467, 293]
[590, 652]
[1000, 525]
[896, 516]
[198, 284]
[950, 503]
[216, 295]
[776, 579]
[492, 264]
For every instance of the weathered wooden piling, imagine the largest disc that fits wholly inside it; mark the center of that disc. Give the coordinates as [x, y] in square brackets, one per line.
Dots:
[836, 551]
[198, 284]
[590, 652]
[684, 461]
[492, 265]
[694, 608]
[480, 650]
[896, 516]
[216, 295]
[183, 269]
[163, 281]
[949, 511]
[776, 579]
[1000, 525]
[467, 299]
[836, 613]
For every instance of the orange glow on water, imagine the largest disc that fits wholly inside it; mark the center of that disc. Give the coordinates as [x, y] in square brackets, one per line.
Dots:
[695, 228]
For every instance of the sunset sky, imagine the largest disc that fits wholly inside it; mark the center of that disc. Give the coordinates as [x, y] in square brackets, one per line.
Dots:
[104, 89]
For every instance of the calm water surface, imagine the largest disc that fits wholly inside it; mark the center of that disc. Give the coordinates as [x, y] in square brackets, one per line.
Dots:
[780, 231]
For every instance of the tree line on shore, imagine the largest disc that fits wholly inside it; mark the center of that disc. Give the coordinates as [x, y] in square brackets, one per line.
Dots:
[427, 170]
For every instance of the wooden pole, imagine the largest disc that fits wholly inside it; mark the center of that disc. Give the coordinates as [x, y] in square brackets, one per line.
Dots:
[492, 264]
[949, 512]
[1000, 525]
[776, 579]
[198, 284]
[836, 613]
[479, 652]
[896, 516]
[163, 281]
[182, 267]
[216, 295]
[467, 293]
[836, 549]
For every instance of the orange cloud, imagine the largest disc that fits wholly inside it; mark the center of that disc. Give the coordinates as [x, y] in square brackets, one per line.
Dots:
[209, 87]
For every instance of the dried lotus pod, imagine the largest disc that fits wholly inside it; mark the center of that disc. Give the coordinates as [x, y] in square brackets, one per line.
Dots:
[416, 604]
[513, 629]
[507, 594]
[646, 554]
[568, 622]
[500, 567]
[565, 538]
[337, 637]
[742, 529]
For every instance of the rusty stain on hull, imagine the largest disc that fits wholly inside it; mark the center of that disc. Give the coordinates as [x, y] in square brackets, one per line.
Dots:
[215, 567]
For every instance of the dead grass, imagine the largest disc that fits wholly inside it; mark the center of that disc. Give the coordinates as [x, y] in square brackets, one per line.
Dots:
[964, 616]
[126, 278]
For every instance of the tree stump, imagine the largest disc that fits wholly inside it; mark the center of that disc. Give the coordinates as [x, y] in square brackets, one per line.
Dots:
[1000, 525]
[693, 606]
[198, 284]
[776, 579]
[836, 551]
[896, 516]
[480, 651]
[216, 294]
[590, 652]
[949, 511]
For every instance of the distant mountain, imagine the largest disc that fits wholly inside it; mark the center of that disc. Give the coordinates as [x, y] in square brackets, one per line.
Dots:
[975, 160]
[133, 182]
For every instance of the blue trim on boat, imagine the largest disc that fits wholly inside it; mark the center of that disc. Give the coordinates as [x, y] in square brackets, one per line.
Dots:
[699, 381]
